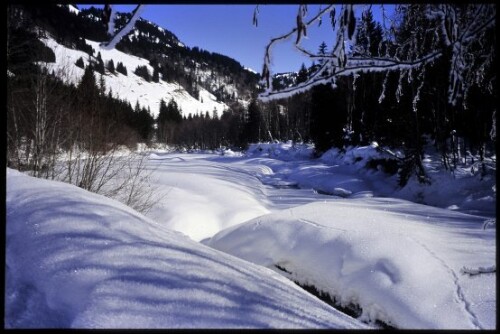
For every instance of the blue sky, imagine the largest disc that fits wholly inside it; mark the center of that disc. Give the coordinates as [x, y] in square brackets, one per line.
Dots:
[228, 30]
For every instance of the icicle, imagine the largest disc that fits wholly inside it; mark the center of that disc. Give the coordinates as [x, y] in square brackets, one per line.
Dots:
[355, 76]
[416, 98]
[384, 85]
[399, 90]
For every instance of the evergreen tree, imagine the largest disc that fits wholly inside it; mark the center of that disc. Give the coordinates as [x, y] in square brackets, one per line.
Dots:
[366, 116]
[156, 75]
[99, 66]
[369, 35]
[328, 116]
[80, 63]
[322, 51]
[303, 74]
[144, 124]
[87, 87]
[121, 68]
[253, 124]
[111, 66]
[143, 72]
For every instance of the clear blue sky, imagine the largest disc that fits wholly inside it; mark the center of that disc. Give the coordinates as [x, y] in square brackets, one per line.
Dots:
[228, 30]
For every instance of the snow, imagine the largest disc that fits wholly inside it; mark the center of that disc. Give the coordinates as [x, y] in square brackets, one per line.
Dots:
[131, 88]
[75, 259]
[73, 9]
[250, 70]
[398, 261]
[79, 260]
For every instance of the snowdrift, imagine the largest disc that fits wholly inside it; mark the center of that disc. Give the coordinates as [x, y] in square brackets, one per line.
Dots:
[398, 261]
[80, 260]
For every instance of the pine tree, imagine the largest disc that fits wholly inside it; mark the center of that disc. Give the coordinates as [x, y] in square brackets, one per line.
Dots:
[366, 116]
[252, 126]
[369, 35]
[99, 66]
[80, 63]
[303, 75]
[111, 66]
[121, 68]
[143, 72]
[322, 51]
[156, 75]
[328, 116]
[88, 85]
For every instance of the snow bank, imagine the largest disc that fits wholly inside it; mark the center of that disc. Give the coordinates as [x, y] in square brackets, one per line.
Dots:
[76, 259]
[367, 171]
[201, 196]
[399, 261]
[283, 151]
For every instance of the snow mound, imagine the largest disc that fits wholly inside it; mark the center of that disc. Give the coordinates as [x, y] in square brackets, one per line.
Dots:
[399, 261]
[76, 259]
[287, 151]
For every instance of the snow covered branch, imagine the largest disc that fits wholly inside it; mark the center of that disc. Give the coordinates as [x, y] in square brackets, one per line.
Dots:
[300, 30]
[354, 65]
[418, 36]
[116, 37]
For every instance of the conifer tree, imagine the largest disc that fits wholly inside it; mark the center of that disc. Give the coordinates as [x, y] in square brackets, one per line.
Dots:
[111, 66]
[302, 76]
[253, 124]
[121, 68]
[80, 63]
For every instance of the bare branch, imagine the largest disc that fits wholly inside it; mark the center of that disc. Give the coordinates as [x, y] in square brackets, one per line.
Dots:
[267, 56]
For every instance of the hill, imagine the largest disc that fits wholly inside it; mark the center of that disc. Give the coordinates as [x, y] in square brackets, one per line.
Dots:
[158, 65]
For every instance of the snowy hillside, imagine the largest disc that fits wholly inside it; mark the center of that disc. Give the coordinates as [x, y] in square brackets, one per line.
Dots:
[131, 87]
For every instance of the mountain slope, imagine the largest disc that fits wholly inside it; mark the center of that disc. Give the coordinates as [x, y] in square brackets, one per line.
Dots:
[130, 87]
[212, 79]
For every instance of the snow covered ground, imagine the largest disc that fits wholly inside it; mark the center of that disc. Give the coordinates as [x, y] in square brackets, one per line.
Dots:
[78, 259]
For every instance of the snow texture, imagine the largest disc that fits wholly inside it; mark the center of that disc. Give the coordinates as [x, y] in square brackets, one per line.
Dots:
[398, 261]
[75, 259]
[80, 260]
